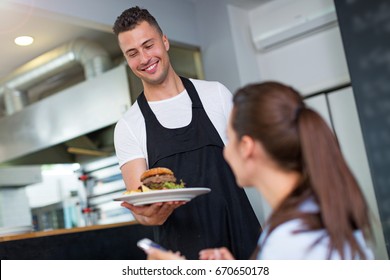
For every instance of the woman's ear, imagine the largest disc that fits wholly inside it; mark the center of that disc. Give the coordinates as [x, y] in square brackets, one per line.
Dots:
[247, 145]
[249, 148]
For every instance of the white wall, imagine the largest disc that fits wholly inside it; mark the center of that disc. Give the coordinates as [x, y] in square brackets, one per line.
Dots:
[248, 68]
[216, 41]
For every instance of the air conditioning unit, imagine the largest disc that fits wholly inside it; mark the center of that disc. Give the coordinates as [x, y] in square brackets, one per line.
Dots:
[278, 25]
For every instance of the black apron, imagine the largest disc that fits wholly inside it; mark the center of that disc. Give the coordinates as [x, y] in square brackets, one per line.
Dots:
[223, 217]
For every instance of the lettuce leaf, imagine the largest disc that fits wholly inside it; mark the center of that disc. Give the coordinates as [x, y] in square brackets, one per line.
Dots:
[172, 185]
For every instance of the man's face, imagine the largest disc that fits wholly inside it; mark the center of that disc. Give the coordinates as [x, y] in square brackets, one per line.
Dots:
[146, 52]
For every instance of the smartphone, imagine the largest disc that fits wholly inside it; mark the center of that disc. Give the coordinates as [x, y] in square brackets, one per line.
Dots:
[146, 243]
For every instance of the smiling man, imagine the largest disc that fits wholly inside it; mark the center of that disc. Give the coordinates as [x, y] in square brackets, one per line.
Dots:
[180, 124]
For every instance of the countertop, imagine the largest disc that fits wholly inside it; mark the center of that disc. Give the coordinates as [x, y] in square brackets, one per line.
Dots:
[36, 234]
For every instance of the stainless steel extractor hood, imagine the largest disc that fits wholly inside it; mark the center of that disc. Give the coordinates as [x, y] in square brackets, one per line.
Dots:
[88, 54]
[80, 117]
[61, 107]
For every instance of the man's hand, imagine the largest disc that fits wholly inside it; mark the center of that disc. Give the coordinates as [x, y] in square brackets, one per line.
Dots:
[216, 254]
[156, 254]
[153, 214]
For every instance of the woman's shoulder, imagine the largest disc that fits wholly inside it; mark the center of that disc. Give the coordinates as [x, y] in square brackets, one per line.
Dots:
[289, 241]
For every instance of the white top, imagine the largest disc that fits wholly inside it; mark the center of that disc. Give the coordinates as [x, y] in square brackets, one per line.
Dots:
[175, 112]
[283, 244]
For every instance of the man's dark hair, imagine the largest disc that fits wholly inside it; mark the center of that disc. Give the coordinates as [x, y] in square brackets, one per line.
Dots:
[132, 17]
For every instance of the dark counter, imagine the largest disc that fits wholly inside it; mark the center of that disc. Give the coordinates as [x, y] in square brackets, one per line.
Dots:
[89, 243]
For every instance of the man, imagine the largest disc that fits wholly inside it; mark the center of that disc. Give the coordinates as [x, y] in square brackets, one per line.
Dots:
[180, 124]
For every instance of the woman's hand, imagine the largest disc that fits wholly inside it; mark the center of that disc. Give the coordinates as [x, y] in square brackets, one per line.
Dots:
[153, 214]
[156, 254]
[216, 254]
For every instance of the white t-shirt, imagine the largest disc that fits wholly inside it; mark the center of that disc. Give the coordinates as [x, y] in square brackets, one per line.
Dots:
[175, 112]
[284, 244]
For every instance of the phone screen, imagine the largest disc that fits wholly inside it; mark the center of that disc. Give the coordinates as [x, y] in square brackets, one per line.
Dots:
[145, 244]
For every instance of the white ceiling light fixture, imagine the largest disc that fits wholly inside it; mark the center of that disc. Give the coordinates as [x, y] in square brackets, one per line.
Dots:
[24, 40]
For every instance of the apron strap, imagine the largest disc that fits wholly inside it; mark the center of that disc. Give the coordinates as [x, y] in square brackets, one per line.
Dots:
[189, 86]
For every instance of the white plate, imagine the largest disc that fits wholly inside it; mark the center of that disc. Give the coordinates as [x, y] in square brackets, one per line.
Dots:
[185, 194]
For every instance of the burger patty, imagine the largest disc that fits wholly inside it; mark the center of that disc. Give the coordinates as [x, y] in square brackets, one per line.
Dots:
[158, 179]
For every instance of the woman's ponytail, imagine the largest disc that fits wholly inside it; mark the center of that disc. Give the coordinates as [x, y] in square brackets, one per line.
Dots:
[343, 208]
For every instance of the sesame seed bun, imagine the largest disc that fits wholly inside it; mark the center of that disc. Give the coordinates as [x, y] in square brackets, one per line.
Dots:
[155, 171]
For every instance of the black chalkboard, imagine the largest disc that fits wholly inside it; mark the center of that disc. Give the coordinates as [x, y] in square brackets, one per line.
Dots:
[365, 31]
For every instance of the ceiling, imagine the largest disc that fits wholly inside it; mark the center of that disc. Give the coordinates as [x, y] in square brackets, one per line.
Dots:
[48, 31]
[51, 31]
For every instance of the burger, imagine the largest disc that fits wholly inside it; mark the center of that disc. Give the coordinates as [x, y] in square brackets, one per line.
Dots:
[160, 178]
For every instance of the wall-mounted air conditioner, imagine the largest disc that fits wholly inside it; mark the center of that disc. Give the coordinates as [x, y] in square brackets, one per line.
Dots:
[282, 21]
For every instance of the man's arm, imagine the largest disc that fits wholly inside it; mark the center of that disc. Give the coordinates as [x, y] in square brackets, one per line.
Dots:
[154, 214]
[131, 173]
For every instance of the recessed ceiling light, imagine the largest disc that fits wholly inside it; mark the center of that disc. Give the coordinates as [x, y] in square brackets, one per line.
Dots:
[24, 40]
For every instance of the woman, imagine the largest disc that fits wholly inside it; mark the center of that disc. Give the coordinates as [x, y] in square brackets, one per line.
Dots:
[289, 154]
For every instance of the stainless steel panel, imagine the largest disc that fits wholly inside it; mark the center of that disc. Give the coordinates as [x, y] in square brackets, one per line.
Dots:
[101, 163]
[104, 174]
[17, 176]
[106, 188]
[78, 110]
[95, 201]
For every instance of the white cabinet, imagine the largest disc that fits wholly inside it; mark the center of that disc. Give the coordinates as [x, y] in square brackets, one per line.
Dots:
[339, 109]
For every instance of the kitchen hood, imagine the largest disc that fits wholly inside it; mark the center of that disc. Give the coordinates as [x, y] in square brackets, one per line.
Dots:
[61, 107]
[52, 67]
[73, 125]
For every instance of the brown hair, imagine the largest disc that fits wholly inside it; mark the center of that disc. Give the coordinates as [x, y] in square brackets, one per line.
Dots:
[132, 17]
[298, 139]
